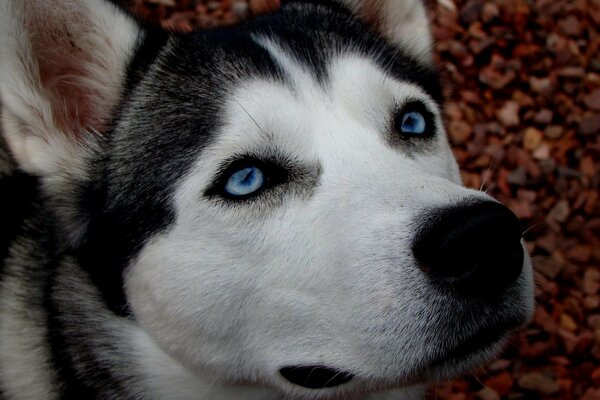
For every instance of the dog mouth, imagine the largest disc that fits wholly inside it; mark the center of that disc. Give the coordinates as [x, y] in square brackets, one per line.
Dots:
[474, 348]
[315, 376]
[483, 342]
[323, 377]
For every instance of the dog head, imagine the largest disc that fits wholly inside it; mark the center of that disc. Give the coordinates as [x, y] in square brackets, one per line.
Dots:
[274, 202]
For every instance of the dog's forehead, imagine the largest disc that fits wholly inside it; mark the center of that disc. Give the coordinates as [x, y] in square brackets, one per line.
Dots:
[178, 107]
[302, 113]
[313, 35]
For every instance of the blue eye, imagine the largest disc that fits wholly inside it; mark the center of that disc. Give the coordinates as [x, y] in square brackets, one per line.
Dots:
[244, 182]
[413, 123]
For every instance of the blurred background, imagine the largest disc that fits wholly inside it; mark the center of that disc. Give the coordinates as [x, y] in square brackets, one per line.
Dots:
[523, 114]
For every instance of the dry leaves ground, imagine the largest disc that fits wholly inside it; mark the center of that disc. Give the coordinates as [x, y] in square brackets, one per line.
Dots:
[523, 83]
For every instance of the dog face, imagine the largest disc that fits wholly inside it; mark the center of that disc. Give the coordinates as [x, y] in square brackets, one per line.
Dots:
[274, 203]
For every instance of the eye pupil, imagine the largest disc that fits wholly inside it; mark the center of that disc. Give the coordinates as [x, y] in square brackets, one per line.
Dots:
[250, 175]
[410, 121]
[413, 123]
[245, 181]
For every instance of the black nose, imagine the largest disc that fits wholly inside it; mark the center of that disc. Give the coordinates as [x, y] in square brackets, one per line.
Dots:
[476, 249]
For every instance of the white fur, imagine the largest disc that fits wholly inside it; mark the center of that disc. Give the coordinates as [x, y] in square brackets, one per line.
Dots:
[235, 292]
[168, 379]
[229, 294]
[402, 21]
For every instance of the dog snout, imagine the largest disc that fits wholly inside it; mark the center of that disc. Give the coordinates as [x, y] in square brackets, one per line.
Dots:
[474, 249]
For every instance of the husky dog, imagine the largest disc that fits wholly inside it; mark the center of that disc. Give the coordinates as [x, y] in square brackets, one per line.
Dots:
[265, 211]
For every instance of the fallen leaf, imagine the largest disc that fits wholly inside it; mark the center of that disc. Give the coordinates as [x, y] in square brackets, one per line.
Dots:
[508, 115]
[538, 382]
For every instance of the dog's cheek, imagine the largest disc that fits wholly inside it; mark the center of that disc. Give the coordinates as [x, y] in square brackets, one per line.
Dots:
[186, 303]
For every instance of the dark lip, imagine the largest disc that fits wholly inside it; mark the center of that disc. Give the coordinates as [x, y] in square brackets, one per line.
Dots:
[479, 342]
[315, 376]
[471, 349]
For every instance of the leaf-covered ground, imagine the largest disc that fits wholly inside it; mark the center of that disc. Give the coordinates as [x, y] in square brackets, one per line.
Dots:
[523, 84]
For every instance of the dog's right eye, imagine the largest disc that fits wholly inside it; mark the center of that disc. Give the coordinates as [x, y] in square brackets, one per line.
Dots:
[246, 178]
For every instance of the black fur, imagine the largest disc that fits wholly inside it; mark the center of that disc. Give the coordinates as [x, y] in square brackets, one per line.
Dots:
[17, 190]
[174, 93]
[168, 129]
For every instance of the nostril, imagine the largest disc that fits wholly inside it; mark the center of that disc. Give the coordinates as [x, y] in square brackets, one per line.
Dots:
[474, 248]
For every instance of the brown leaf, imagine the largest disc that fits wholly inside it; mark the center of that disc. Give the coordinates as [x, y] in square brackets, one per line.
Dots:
[591, 394]
[568, 323]
[508, 115]
[560, 212]
[544, 116]
[591, 302]
[501, 383]
[587, 166]
[592, 100]
[488, 394]
[541, 85]
[570, 26]
[532, 138]
[554, 131]
[460, 131]
[538, 382]
[591, 277]
[258, 7]
[590, 124]
[547, 266]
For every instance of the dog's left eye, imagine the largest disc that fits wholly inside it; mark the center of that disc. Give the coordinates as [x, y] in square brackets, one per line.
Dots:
[245, 181]
[414, 120]
[413, 123]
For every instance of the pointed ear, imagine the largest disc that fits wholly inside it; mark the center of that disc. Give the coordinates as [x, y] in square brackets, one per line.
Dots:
[401, 21]
[62, 71]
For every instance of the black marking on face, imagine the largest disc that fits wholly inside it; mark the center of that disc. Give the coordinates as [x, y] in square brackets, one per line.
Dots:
[167, 120]
[148, 49]
[315, 31]
[177, 90]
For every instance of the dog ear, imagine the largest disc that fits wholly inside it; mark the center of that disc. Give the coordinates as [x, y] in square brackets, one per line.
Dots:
[62, 71]
[401, 21]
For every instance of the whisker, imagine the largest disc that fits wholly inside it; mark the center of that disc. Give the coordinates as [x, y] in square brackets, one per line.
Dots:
[333, 377]
[487, 174]
[480, 381]
[260, 128]
[531, 227]
[309, 375]
[208, 387]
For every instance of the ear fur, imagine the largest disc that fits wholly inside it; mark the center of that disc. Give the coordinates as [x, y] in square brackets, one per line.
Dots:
[62, 70]
[401, 21]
